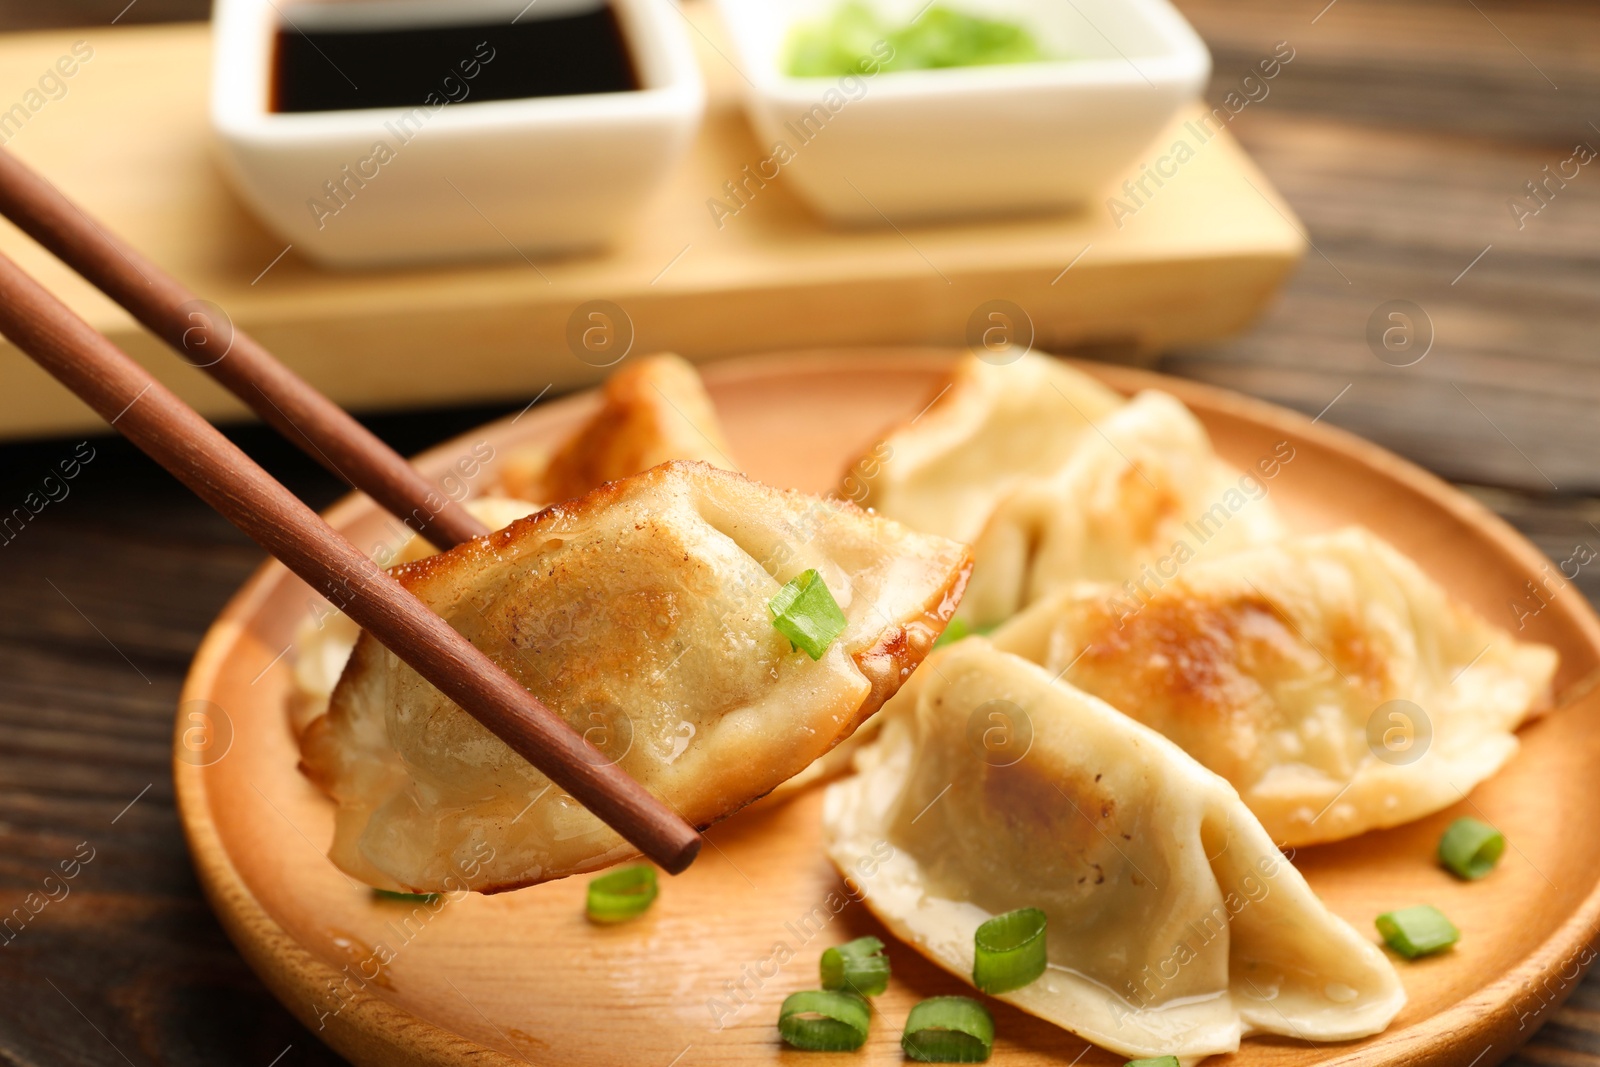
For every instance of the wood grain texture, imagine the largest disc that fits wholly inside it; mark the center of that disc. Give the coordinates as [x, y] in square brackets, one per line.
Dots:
[1397, 135]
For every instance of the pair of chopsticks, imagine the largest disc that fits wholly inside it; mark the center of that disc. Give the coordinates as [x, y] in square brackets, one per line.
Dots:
[175, 436]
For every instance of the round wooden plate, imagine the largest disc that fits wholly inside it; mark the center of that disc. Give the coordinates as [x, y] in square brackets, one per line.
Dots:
[524, 978]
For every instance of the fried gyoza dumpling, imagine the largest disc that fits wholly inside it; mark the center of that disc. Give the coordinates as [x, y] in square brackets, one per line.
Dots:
[323, 643]
[639, 613]
[1332, 682]
[1145, 488]
[651, 411]
[1174, 925]
[989, 427]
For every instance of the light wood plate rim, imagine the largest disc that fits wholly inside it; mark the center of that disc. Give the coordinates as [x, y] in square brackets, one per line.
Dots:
[373, 1024]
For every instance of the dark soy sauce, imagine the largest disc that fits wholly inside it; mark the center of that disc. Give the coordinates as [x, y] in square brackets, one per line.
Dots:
[338, 69]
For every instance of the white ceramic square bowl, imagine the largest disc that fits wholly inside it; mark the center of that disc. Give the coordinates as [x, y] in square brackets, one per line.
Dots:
[464, 180]
[977, 140]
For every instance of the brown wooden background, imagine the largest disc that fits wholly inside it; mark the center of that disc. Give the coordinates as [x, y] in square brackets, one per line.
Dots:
[1399, 132]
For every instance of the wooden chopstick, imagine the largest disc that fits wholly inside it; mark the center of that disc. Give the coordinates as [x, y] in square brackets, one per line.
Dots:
[283, 399]
[174, 435]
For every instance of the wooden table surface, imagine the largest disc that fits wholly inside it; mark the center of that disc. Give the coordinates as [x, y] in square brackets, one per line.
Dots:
[1401, 131]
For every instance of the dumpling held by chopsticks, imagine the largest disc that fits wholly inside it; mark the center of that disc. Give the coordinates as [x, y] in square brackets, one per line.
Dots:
[650, 411]
[648, 615]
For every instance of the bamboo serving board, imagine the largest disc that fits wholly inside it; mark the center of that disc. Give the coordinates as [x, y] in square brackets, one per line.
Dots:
[523, 978]
[130, 141]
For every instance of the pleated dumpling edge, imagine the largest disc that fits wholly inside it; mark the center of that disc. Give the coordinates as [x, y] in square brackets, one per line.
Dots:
[990, 426]
[1145, 488]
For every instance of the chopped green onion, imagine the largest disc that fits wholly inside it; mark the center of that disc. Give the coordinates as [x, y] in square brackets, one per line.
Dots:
[415, 898]
[622, 894]
[955, 631]
[822, 1020]
[948, 1030]
[959, 628]
[1009, 951]
[1157, 1061]
[854, 40]
[859, 966]
[1471, 848]
[806, 613]
[1417, 931]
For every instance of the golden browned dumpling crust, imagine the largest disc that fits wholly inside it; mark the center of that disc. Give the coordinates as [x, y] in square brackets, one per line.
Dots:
[651, 411]
[1145, 489]
[639, 614]
[1333, 683]
[324, 641]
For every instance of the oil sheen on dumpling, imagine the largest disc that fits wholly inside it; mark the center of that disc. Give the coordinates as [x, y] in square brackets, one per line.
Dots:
[1175, 926]
[990, 426]
[1147, 486]
[639, 614]
[1332, 682]
[652, 410]
[323, 643]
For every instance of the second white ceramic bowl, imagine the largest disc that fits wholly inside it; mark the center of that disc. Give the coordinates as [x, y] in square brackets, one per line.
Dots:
[978, 140]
